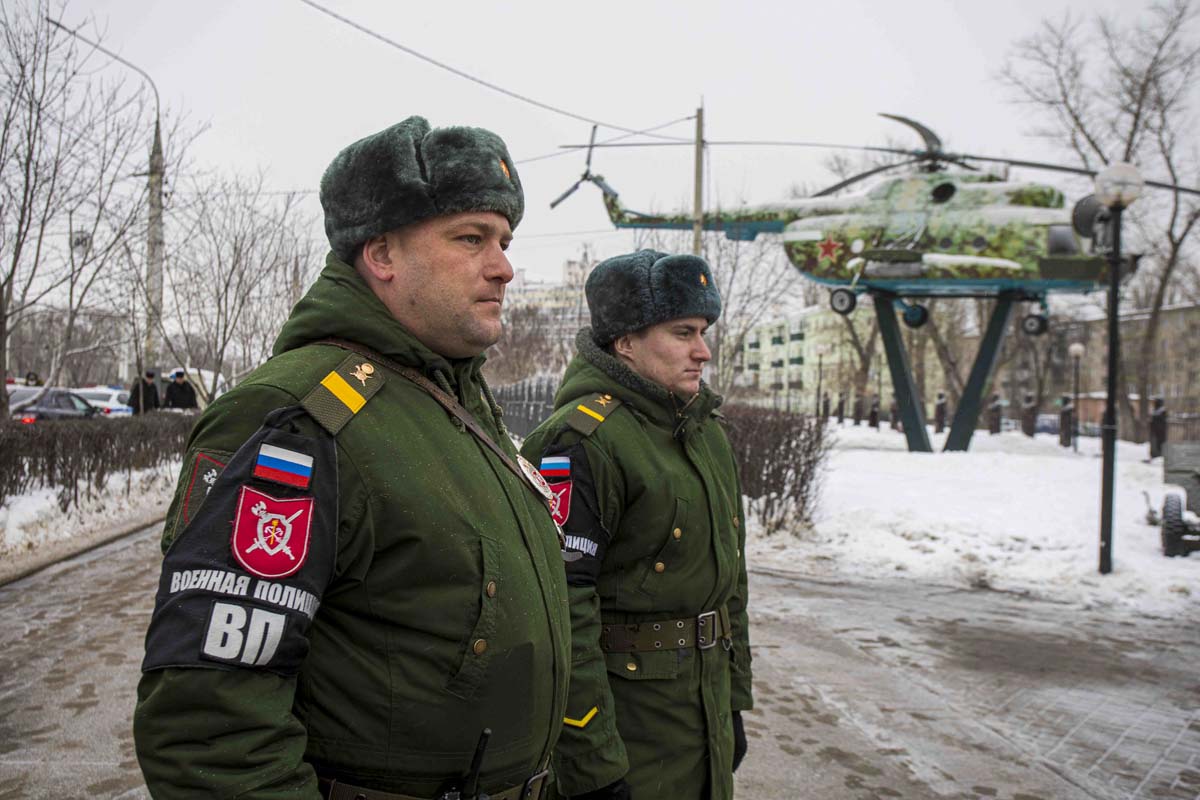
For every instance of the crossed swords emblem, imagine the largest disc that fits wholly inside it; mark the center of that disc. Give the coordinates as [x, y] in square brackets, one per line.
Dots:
[274, 531]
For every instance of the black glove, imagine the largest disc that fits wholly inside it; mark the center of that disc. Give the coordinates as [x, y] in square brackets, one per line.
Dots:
[614, 791]
[739, 740]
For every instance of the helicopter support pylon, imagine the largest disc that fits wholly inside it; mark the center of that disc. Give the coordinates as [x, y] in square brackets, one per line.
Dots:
[967, 414]
[911, 414]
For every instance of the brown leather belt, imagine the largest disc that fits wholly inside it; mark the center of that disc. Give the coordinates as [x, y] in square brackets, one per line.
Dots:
[702, 632]
[332, 789]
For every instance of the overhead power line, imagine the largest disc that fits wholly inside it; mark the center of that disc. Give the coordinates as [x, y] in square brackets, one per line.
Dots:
[460, 73]
[646, 132]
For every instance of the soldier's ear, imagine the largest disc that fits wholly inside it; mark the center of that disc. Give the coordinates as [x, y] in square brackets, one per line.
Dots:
[623, 346]
[376, 259]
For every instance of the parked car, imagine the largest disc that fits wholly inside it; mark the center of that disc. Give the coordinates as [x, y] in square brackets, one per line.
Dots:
[111, 402]
[54, 404]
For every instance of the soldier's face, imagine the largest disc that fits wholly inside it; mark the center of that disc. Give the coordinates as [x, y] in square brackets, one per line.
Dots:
[672, 353]
[448, 282]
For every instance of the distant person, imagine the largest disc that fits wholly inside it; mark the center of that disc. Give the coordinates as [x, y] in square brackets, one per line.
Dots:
[858, 409]
[1066, 421]
[143, 395]
[894, 415]
[995, 413]
[825, 407]
[841, 408]
[1028, 415]
[180, 393]
[1158, 427]
[939, 413]
[873, 417]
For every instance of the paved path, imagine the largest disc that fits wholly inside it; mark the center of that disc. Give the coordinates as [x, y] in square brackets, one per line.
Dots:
[886, 690]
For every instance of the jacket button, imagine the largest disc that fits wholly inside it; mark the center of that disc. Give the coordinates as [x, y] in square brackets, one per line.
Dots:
[677, 533]
[632, 667]
[491, 589]
[735, 522]
[480, 647]
[660, 567]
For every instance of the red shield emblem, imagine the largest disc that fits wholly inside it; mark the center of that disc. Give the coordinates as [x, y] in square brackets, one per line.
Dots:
[270, 536]
[560, 503]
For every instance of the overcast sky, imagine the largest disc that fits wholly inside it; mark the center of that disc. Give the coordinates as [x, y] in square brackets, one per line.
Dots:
[282, 87]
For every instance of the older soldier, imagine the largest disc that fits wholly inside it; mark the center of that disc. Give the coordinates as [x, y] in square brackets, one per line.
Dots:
[359, 577]
[647, 489]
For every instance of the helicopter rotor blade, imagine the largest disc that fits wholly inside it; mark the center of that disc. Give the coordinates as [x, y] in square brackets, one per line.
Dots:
[960, 163]
[932, 143]
[863, 176]
[1091, 173]
[567, 193]
[591, 146]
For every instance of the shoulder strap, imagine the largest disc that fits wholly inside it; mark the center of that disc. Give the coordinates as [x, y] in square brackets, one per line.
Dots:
[587, 415]
[342, 393]
[454, 407]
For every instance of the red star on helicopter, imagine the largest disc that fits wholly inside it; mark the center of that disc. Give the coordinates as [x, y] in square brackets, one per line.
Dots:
[829, 248]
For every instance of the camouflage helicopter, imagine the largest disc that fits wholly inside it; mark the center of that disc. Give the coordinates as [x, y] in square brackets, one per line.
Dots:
[929, 231]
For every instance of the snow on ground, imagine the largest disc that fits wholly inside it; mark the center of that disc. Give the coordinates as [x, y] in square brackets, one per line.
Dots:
[33, 523]
[1013, 514]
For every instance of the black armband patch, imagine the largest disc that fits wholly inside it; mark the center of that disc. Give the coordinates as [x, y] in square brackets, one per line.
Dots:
[577, 510]
[243, 578]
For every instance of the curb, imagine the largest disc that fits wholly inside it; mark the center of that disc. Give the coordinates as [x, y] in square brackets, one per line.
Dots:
[58, 552]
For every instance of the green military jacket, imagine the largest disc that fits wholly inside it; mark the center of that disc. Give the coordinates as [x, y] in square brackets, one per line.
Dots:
[439, 606]
[651, 501]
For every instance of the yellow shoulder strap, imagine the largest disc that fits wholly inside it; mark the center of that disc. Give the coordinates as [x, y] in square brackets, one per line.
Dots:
[590, 411]
[343, 392]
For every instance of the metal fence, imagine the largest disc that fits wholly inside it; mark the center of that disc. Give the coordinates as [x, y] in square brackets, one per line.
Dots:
[527, 403]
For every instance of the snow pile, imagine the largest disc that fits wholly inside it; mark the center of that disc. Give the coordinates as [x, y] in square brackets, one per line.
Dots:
[33, 529]
[1014, 514]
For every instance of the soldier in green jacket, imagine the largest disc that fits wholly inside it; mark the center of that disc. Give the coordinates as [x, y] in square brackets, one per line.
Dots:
[359, 576]
[646, 487]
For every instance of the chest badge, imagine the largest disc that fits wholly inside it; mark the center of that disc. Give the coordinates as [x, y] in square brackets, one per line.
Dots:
[535, 478]
[271, 536]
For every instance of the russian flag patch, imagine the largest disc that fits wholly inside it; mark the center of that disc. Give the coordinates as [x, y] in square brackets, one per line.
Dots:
[283, 466]
[555, 467]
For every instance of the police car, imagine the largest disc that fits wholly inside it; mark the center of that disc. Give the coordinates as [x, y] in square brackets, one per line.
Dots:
[111, 402]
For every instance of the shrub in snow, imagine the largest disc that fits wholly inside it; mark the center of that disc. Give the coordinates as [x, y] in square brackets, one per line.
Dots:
[78, 456]
[780, 456]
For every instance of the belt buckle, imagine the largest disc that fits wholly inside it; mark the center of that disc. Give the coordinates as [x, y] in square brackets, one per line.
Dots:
[536, 782]
[703, 641]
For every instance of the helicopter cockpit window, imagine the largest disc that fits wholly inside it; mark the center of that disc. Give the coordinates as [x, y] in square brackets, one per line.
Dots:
[943, 192]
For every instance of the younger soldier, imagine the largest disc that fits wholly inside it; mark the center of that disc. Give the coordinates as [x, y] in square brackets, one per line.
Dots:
[359, 577]
[647, 489]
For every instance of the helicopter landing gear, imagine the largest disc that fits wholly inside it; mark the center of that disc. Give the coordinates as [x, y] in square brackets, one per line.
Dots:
[915, 315]
[1034, 324]
[842, 301]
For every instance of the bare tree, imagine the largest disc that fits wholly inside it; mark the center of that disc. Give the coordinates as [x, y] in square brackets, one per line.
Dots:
[222, 304]
[69, 194]
[1131, 103]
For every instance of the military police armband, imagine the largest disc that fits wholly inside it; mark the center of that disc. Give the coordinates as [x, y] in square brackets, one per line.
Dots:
[575, 508]
[244, 576]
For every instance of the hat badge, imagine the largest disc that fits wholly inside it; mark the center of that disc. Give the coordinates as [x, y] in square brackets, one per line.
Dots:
[703, 279]
[504, 169]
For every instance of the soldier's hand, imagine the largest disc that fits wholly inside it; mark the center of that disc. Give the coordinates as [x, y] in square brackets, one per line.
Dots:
[614, 791]
[739, 740]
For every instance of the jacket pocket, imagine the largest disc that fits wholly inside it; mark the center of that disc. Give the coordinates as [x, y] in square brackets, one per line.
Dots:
[648, 666]
[477, 649]
[669, 552]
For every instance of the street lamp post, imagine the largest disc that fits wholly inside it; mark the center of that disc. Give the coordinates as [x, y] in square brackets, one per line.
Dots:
[1076, 353]
[1117, 186]
[154, 227]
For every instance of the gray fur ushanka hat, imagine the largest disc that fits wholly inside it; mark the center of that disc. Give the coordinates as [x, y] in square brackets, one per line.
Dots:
[630, 292]
[410, 172]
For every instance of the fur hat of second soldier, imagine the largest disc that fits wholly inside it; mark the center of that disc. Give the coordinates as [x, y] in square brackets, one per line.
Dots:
[410, 172]
[634, 291]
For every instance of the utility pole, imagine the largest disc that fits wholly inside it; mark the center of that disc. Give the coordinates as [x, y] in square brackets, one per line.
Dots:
[698, 220]
[154, 226]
